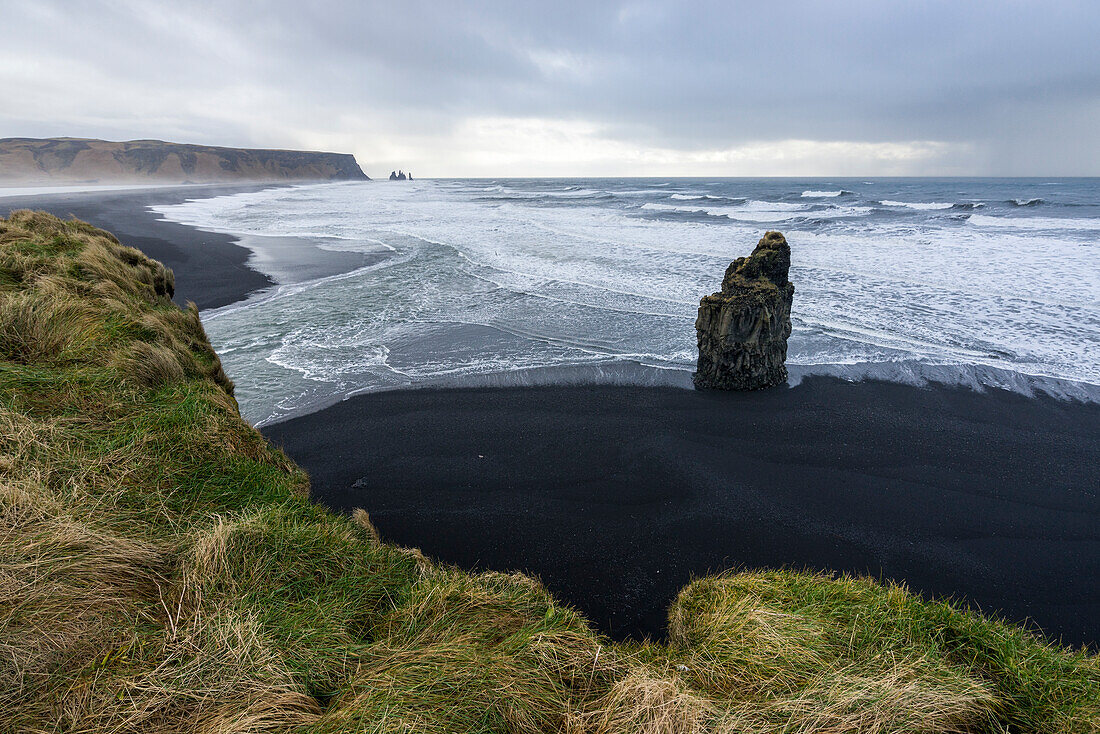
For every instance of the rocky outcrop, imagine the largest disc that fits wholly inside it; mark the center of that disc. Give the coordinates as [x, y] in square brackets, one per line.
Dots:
[743, 329]
[81, 160]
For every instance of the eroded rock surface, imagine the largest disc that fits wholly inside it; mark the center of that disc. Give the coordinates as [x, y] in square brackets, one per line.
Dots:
[743, 329]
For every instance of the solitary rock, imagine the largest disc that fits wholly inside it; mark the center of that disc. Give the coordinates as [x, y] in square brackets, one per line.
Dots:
[743, 329]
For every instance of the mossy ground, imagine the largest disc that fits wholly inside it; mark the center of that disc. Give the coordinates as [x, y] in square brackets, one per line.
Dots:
[161, 569]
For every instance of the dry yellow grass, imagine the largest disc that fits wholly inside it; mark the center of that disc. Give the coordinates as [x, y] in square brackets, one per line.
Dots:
[161, 570]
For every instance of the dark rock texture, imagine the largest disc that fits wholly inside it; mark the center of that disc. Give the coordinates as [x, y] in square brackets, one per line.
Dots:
[79, 160]
[743, 329]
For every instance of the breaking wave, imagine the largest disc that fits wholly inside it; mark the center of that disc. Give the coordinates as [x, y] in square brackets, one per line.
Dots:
[749, 211]
[708, 197]
[824, 194]
[919, 205]
[1036, 223]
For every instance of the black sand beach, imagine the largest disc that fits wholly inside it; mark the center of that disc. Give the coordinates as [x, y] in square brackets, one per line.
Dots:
[617, 496]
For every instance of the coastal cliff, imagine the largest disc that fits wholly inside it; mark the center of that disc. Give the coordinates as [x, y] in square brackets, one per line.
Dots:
[162, 569]
[81, 160]
[743, 329]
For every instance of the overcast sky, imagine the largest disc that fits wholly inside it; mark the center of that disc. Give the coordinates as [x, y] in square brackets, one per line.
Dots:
[648, 87]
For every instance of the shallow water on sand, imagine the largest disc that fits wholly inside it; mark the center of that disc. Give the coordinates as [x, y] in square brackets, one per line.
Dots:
[992, 280]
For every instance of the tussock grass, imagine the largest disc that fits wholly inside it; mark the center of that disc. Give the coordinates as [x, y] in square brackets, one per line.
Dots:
[161, 569]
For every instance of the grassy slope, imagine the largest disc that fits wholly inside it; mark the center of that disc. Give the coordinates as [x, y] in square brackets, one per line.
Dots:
[161, 569]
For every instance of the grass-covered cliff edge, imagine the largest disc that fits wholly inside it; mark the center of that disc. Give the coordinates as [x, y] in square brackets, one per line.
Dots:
[162, 569]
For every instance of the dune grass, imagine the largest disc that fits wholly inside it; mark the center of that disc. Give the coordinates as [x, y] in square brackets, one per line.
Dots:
[161, 569]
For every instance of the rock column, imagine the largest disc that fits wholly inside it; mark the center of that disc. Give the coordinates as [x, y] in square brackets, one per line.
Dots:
[743, 329]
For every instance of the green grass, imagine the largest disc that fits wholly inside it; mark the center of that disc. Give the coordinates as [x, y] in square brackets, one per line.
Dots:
[162, 569]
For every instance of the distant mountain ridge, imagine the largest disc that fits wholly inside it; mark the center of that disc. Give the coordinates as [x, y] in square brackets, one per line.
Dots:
[87, 160]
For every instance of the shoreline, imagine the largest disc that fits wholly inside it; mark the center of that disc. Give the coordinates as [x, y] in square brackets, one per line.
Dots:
[988, 497]
[629, 373]
[237, 269]
[213, 269]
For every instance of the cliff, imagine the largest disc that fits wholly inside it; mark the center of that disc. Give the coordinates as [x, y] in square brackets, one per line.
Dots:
[162, 569]
[742, 330]
[80, 160]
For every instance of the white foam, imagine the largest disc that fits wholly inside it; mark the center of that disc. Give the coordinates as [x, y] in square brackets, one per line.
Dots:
[820, 194]
[572, 193]
[1045, 223]
[774, 206]
[974, 377]
[750, 211]
[919, 205]
[480, 287]
[699, 197]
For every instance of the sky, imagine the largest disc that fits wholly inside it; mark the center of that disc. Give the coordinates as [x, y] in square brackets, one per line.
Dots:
[563, 88]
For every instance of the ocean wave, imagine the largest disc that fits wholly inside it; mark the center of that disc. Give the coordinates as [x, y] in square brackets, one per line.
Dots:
[637, 192]
[774, 206]
[568, 192]
[547, 196]
[574, 192]
[827, 216]
[1048, 223]
[763, 211]
[653, 206]
[752, 211]
[824, 194]
[1025, 202]
[920, 205]
[967, 206]
[708, 197]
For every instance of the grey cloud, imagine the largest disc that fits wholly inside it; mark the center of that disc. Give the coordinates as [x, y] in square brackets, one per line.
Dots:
[1017, 81]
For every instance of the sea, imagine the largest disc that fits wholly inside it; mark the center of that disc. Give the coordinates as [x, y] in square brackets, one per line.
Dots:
[976, 282]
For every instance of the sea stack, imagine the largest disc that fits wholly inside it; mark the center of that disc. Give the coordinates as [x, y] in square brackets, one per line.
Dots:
[743, 329]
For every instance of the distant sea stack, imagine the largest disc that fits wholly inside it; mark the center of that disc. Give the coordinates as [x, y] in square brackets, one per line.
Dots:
[743, 329]
[80, 160]
[400, 176]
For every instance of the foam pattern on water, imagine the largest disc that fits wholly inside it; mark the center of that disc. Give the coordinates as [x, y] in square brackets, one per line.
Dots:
[545, 276]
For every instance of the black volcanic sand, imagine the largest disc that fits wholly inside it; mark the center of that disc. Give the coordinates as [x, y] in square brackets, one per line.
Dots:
[617, 496]
[210, 268]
